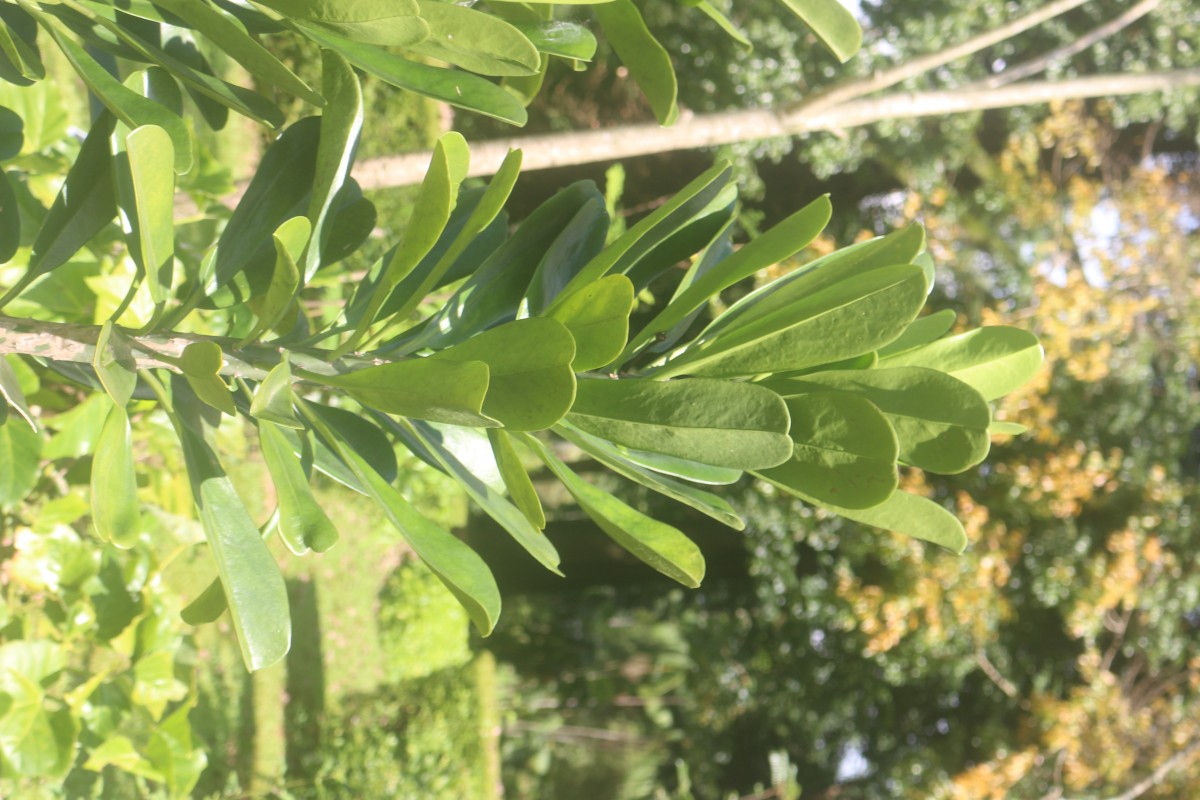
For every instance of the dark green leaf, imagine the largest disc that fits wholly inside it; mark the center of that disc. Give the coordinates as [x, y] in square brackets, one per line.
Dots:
[289, 239]
[208, 606]
[845, 451]
[722, 423]
[646, 59]
[12, 133]
[303, 526]
[20, 60]
[994, 360]
[661, 546]
[10, 219]
[116, 511]
[580, 241]
[598, 318]
[531, 382]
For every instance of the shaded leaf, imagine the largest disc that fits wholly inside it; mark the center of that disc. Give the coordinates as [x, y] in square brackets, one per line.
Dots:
[116, 510]
[646, 59]
[272, 400]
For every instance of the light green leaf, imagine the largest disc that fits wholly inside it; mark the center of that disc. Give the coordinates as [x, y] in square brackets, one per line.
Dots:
[558, 38]
[10, 388]
[116, 511]
[35, 741]
[145, 185]
[516, 479]
[20, 461]
[375, 22]
[1000, 427]
[993, 360]
[303, 526]
[847, 319]
[254, 587]
[201, 363]
[424, 388]
[532, 385]
[722, 423]
[922, 330]
[475, 41]
[834, 25]
[598, 318]
[272, 400]
[713, 13]
[458, 566]
[154, 683]
[289, 239]
[341, 125]
[941, 422]
[171, 752]
[115, 364]
[119, 752]
[646, 59]
[845, 451]
[78, 429]
[617, 460]
[661, 546]
[782, 241]
[680, 467]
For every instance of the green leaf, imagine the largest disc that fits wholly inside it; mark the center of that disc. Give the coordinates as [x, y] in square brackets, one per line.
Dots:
[598, 318]
[424, 388]
[20, 461]
[833, 24]
[577, 243]
[845, 451]
[780, 242]
[341, 125]
[235, 42]
[126, 104]
[922, 330]
[206, 607]
[12, 133]
[722, 423]
[78, 429]
[392, 24]
[155, 684]
[459, 89]
[303, 526]
[115, 365]
[116, 511]
[661, 546]
[1000, 427]
[20, 61]
[847, 319]
[679, 467]
[516, 479]
[617, 460]
[290, 239]
[713, 13]
[993, 360]
[10, 219]
[34, 740]
[352, 429]
[254, 587]
[201, 363]
[646, 59]
[272, 400]
[475, 41]
[435, 447]
[941, 422]
[145, 184]
[558, 38]
[458, 566]
[10, 388]
[904, 513]
[171, 751]
[532, 384]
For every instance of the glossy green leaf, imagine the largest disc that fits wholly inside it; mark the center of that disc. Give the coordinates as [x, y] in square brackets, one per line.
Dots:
[532, 384]
[617, 460]
[126, 104]
[303, 526]
[341, 125]
[833, 23]
[475, 41]
[576, 244]
[847, 319]
[993, 360]
[922, 330]
[722, 423]
[458, 566]
[20, 461]
[424, 388]
[941, 422]
[516, 478]
[845, 451]
[254, 587]
[459, 89]
[780, 242]
[115, 364]
[657, 544]
[598, 318]
[434, 446]
[240, 46]
[116, 510]
[10, 389]
[145, 186]
[12, 133]
[289, 239]
[647, 61]
[558, 38]
[904, 513]
[272, 400]
[201, 363]
[85, 204]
